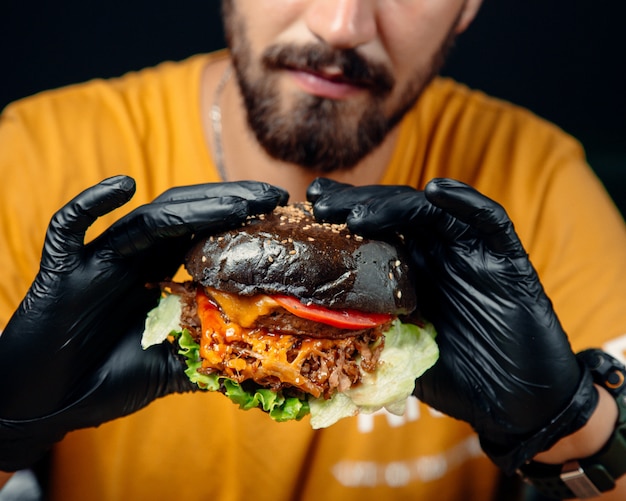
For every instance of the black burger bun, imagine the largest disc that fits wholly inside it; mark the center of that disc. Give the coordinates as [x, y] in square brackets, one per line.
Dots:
[289, 252]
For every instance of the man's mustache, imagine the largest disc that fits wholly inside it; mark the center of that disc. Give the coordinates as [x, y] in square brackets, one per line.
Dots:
[315, 58]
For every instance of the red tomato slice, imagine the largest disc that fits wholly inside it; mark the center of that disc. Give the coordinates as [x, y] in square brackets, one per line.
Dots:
[344, 319]
[207, 310]
[203, 301]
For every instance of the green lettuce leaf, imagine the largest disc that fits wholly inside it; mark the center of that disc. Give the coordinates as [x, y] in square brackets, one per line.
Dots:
[162, 320]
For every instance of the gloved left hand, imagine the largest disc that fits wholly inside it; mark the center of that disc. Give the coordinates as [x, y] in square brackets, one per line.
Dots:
[505, 365]
[70, 357]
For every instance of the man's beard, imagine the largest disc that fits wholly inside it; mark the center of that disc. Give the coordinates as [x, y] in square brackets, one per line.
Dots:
[317, 133]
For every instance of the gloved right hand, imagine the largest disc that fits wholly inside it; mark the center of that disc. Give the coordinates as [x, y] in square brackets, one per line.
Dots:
[70, 357]
[506, 366]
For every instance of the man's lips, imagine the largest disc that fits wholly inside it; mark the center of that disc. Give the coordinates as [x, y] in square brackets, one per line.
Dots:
[329, 84]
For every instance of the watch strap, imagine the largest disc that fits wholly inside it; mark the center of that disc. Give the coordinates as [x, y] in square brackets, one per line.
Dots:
[589, 477]
[572, 418]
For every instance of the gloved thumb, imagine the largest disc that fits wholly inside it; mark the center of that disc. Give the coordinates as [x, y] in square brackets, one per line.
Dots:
[66, 232]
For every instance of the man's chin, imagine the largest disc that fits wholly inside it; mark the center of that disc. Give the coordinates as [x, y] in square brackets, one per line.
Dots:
[324, 151]
[313, 161]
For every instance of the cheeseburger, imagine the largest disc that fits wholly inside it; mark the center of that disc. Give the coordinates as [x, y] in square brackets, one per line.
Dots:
[297, 317]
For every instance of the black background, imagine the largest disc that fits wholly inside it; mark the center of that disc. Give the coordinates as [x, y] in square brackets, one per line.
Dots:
[563, 59]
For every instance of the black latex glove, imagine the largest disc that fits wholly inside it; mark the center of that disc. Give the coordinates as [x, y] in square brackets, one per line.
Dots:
[505, 365]
[70, 357]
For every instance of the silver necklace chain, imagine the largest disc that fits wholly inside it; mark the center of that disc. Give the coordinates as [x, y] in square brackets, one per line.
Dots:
[216, 124]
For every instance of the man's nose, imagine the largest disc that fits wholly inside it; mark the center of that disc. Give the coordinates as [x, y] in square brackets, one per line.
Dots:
[343, 24]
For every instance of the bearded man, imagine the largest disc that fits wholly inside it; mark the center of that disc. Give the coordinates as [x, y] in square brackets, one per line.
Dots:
[337, 102]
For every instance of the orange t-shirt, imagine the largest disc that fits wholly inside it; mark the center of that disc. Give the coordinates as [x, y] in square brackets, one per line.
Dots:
[200, 446]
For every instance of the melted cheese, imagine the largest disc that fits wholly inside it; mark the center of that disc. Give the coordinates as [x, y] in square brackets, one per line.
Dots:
[243, 353]
[243, 310]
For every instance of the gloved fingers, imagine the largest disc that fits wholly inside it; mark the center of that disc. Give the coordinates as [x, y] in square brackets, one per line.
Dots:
[66, 232]
[375, 210]
[262, 197]
[141, 375]
[150, 225]
[336, 202]
[485, 216]
[323, 186]
[400, 211]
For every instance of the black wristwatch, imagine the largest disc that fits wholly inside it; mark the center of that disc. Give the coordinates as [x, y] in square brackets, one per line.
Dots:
[589, 477]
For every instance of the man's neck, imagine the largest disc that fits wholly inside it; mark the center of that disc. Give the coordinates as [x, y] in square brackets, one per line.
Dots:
[244, 158]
